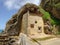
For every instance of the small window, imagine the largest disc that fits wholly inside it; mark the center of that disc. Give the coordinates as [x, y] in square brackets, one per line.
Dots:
[39, 28]
[32, 25]
[35, 21]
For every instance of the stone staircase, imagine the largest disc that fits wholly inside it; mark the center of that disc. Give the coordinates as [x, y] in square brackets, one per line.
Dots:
[4, 40]
[7, 40]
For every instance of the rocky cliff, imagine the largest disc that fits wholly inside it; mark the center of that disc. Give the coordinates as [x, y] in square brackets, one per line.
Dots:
[52, 6]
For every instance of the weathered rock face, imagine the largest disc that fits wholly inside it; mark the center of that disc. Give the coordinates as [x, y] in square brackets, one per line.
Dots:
[13, 26]
[52, 6]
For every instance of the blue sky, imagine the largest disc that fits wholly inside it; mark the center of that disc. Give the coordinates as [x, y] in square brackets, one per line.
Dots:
[10, 7]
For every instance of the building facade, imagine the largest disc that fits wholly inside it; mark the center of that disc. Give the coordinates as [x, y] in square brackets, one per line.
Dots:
[32, 24]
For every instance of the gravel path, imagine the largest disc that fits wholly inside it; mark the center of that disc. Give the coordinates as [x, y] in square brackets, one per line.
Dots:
[54, 41]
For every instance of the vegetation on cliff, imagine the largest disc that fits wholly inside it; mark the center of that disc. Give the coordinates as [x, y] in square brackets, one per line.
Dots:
[51, 11]
[52, 6]
[47, 15]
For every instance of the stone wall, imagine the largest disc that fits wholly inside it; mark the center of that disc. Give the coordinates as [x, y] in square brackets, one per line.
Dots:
[35, 24]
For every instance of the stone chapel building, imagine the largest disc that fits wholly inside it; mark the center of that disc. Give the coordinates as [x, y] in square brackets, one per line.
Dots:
[32, 24]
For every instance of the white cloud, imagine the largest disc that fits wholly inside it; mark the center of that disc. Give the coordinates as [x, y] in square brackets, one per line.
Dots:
[16, 4]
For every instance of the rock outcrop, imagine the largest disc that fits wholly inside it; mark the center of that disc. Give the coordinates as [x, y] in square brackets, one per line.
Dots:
[52, 6]
[13, 26]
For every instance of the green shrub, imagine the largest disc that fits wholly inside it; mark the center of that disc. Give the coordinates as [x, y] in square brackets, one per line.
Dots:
[46, 15]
